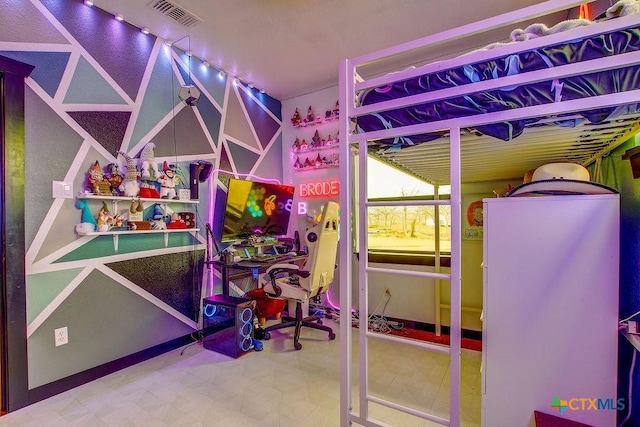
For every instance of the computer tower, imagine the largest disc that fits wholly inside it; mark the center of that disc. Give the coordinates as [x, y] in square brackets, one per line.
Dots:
[227, 324]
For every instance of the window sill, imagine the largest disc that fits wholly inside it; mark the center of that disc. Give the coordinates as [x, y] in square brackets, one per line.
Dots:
[408, 258]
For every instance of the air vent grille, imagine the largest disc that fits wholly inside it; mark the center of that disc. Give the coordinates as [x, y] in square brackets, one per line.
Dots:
[175, 12]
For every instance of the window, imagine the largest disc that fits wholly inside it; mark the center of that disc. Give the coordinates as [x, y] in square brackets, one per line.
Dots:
[405, 229]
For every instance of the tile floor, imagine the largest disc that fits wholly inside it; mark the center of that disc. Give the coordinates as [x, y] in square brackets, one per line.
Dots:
[277, 387]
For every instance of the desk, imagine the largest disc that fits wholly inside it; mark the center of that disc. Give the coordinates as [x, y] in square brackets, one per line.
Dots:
[255, 267]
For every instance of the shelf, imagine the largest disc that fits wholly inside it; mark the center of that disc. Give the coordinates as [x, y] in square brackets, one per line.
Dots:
[315, 168]
[117, 234]
[128, 199]
[324, 147]
[317, 122]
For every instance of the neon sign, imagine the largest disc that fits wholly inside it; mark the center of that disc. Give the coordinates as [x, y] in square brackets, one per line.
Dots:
[319, 189]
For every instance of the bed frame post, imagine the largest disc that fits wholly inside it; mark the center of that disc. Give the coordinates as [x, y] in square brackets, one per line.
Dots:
[456, 280]
[345, 88]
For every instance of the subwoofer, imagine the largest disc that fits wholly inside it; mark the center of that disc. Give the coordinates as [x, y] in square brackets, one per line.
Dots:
[227, 324]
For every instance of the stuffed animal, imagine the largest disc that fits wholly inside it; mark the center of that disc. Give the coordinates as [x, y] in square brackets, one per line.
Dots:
[148, 166]
[538, 30]
[114, 177]
[97, 183]
[104, 220]
[168, 182]
[130, 186]
[623, 8]
[87, 222]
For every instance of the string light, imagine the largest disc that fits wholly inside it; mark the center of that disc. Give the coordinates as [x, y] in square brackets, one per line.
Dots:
[88, 3]
[144, 30]
[119, 17]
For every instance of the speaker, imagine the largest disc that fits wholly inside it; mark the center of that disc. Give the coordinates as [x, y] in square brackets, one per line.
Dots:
[227, 324]
[199, 172]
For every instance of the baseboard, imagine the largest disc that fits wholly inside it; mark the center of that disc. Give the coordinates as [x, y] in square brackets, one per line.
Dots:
[45, 391]
[430, 327]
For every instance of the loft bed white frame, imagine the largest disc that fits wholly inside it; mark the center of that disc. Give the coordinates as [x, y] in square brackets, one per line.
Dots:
[355, 199]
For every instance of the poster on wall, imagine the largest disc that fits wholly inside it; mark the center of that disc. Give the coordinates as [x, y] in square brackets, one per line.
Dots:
[472, 217]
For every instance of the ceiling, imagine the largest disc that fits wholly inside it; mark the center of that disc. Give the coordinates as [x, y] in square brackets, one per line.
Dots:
[291, 48]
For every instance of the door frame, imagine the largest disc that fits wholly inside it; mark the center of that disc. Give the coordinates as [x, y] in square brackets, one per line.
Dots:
[14, 374]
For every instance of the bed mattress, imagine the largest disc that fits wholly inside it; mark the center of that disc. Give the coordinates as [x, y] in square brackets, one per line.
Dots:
[604, 82]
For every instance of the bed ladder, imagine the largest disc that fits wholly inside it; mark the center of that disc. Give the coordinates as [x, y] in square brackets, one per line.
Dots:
[360, 414]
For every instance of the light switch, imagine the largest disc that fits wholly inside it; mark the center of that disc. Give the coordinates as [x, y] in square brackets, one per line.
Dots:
[62, 190]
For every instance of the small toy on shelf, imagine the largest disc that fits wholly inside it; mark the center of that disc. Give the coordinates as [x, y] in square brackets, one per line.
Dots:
[310, 116]
[148, 166]
[87, 221]
[105, 220]
[303, 145]
[297, 164]
[296, 119]
[130, 186]
[296, 145]
[307, 163]
[329, 142]
[318, 162]
[114, 177]
[176, 222]
[316, 142]
[97, 184]
[335, 160]
[148, 190]
[168, 182]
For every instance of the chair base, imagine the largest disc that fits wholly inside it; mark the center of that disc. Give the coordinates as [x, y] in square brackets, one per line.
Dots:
[298, 322]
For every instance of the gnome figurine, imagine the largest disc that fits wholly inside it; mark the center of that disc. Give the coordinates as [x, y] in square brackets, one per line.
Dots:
[130, 186]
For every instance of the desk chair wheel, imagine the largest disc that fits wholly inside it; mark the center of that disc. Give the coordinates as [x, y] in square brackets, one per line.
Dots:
[319, 322]
[297, 345]
[332, 336]
[267, 336]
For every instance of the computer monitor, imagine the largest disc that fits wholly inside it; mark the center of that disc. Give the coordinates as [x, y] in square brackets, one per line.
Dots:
[256, 208]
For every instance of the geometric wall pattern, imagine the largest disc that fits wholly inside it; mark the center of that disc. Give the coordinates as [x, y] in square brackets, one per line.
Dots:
[100, 86]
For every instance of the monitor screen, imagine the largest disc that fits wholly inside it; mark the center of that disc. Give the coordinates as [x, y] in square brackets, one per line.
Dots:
[258, 208]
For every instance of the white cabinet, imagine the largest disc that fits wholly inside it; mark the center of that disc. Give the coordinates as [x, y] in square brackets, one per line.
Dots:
[550, 325]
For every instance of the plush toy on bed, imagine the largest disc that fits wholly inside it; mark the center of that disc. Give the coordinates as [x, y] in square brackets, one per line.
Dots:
[623, 8]
[538, 30]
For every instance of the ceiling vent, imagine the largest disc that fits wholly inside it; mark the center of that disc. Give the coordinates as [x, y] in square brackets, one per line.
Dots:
[175, 12]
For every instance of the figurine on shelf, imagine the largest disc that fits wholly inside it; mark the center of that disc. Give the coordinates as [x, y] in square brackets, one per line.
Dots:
[168, 182]
[296, 145]
[336, 141]
[336, 111]
[130, 186]
[335, 159]
[296, 119]
[97, 184]
[114, 177]
[304, 145]
[329, 142]
[326, 161]
[148, 165]
[316, 142]
[318, 119]
[310, 116]
[307, 163]
[318, 162]
[297, 164]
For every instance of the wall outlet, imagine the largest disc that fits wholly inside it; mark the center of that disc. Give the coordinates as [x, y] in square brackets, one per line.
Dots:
[61, 336]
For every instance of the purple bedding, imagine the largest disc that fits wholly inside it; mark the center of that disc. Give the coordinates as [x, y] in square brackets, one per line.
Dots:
[602, 45]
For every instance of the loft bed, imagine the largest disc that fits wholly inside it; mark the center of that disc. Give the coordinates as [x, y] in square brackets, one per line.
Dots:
[491, 114]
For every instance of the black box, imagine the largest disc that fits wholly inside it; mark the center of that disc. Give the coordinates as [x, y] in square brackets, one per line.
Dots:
[227, 324]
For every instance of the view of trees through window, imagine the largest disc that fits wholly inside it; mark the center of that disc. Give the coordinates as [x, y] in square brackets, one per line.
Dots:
[404, 228]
